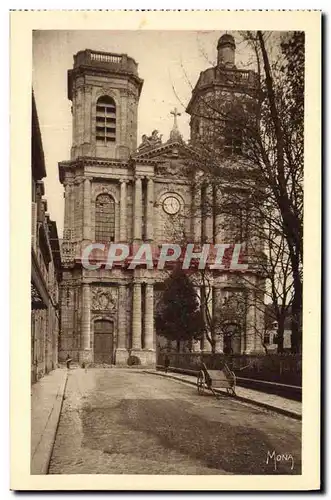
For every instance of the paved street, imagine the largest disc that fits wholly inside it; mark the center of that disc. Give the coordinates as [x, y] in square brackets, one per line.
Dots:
[117, 421]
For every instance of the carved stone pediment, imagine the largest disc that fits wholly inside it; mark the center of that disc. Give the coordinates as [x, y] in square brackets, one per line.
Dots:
[104, 299]
[172, 167]
[169, 149]
[172, 159]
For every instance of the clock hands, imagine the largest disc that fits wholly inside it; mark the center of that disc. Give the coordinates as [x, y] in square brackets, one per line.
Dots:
[171, 205]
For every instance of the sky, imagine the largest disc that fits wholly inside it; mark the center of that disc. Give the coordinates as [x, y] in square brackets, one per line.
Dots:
[169, 62]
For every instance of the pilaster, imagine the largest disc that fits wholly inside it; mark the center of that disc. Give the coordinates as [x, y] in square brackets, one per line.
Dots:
[85, 353]
[196, 213]
[150, 209]
[136, 317]
[208, 216]
[217, 304]
[123, 211]
[122, 351]
[218, 218]
[87, 210]
[137, 214]
[149, 318]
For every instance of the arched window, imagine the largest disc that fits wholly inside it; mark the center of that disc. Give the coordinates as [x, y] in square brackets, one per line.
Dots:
[105, 120]
[104, 218]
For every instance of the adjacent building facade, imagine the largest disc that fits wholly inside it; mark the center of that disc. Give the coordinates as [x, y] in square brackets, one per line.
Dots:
[116, 192]
[45, 267]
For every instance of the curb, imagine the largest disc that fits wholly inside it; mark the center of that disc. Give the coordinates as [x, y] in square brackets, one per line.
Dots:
[42, 455]
[267, 406]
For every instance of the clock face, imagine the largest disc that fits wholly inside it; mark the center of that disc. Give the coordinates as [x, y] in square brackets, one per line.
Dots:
[171, 205]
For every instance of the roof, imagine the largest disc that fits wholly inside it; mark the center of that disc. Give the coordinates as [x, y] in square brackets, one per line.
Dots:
[226, 39]
[37, 151]
[54, 242]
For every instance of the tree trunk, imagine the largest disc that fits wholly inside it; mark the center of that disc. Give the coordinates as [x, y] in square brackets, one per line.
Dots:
[296, 336]
[280, 337]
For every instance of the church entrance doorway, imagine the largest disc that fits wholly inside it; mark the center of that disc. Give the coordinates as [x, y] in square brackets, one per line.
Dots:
[103, 341]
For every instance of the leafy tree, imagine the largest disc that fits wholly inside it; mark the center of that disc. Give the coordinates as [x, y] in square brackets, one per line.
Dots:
[179, 317]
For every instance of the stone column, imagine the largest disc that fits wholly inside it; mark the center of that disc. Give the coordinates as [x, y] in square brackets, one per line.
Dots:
[87, 113]
[85, 352]
[122, 348]
[71, 214]
[123, 221]
[196, 344]
[68, 214]
[87, 210]
[121, 330]
[205, 344]
[208, 218]
[196, 214]
[77, 215]
[150, 209]
[217, 303]
[137, 214]
[66, 206]
[218, 218]
[79, 116]
[149, 318]
[73, 114]
[136, 317]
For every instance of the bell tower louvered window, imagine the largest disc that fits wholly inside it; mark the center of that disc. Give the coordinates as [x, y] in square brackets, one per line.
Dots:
[105, 121]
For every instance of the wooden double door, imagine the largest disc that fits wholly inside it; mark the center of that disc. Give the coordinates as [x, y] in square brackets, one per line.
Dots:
[104, 341]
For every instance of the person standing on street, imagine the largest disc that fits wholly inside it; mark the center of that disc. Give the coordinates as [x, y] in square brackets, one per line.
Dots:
[166, 363]
[68, 361]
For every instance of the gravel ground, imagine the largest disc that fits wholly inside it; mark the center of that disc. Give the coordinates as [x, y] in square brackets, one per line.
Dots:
[117, 421]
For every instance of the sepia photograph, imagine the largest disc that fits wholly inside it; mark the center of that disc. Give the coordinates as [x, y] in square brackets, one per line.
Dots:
[167, 209]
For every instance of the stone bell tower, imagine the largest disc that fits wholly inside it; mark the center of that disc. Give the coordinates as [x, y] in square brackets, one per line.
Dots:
[104, 89]
[99, 186]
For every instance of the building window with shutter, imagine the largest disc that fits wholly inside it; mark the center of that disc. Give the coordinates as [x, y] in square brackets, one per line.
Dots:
[104, 218]
[105, 121]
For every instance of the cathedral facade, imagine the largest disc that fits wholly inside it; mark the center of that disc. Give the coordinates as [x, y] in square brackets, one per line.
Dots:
[121, 192]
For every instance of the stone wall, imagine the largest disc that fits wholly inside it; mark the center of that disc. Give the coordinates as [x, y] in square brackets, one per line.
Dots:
[283, 368]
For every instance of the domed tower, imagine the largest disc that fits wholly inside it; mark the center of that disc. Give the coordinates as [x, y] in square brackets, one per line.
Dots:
[223, 102]
[215, 92]
[104, 89]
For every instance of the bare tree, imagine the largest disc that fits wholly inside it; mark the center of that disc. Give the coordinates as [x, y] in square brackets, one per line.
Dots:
[249, 145]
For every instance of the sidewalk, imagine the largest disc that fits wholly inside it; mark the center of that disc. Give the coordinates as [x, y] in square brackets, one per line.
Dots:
[269, 401]
[46, 403]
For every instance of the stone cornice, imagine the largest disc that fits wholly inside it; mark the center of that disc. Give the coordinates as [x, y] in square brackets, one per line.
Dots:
[85, 161]
[232, 79]
[147, 161]
[160, 179]
[83, 70]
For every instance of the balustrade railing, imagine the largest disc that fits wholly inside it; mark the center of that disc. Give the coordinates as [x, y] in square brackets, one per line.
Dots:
[107, 58]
